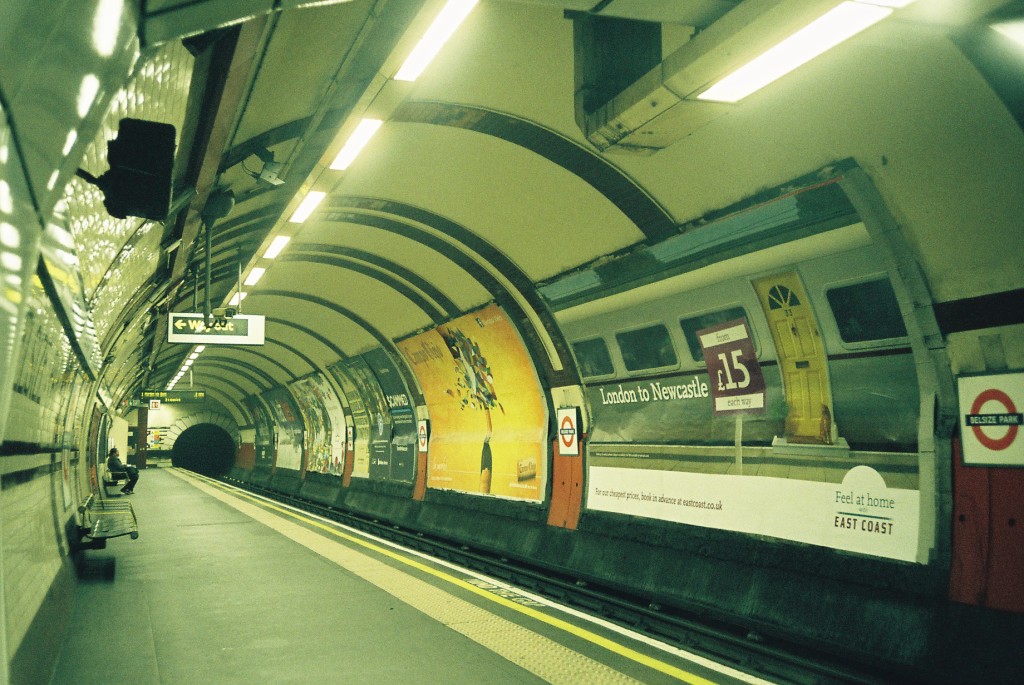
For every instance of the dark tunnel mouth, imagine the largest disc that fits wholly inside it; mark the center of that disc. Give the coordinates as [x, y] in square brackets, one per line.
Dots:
[204, 448]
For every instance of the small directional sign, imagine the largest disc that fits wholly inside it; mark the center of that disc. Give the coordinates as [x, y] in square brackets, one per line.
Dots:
[191, 328]
[173, 396]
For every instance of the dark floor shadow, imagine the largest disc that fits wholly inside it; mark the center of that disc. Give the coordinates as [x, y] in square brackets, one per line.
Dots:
[95, 569]
[90, 566]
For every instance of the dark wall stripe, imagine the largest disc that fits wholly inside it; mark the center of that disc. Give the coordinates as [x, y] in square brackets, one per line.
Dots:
[326, 342]
[309, 362]
[387, 279]
[418, 282]
[236, 368]
[648, 216]
[986, 311]
[223, 397]
[381, 339]
[249, 349]
[232, 370]
[568, 375]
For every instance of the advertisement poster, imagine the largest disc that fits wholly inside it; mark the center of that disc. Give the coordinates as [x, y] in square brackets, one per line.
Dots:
[264, 427]
[324, 420]
[158, 438]
[860, 514]
[359, 431]
[400, 415]
[487, 416]
[378, 417]
[289, 434]
[677, 408]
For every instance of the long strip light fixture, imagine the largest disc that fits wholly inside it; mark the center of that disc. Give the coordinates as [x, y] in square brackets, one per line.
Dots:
[186, 365]
[255, 275]
[307, 206]
[445, 24]
[355, 143]
[824, 33]
[276, 246]
[1014, 30]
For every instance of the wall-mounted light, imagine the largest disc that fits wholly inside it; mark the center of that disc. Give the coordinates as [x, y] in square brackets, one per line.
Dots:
[448, 19]
[1014, 30]
[355, 143]
[824, 33]
[307, 206]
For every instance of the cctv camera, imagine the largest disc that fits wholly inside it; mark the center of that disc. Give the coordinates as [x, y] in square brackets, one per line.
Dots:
[230, 312]
[271, 173]
[224, 312]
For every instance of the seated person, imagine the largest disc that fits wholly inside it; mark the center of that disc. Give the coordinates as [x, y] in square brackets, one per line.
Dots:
[114, 464]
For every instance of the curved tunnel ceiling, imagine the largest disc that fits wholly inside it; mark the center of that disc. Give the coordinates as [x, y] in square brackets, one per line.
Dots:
[479, 186]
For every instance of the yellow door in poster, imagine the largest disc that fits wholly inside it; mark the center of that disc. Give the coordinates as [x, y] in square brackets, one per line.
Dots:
[488, 419]
[802, 359]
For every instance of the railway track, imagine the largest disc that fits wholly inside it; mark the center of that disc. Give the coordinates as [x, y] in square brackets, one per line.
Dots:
[754, 651]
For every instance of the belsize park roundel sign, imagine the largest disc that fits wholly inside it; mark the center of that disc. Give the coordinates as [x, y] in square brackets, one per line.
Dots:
[568, 431]
[990, 419]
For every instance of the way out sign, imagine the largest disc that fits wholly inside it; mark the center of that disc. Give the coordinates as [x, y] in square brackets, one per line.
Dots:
[737, 385]
[990, 419]
[190, 327]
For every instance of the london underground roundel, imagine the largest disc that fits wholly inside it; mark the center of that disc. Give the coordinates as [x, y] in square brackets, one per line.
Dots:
[568, 431]
[990, 419]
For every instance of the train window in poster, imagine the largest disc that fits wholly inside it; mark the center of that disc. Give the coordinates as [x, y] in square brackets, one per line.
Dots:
[866, 311]
[593, 358]
[646, 348]
[693, 324]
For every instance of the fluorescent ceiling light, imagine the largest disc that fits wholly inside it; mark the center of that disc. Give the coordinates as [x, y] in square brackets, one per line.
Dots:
[1014, 30]
[838, 24]
[87, 93]
[105, 26]
[448, 19]
[255, 275]
[236, 299]
[69, 142]
[307, 206]
[193, 355]
[276, 245]
[355, 143]
[200, 348]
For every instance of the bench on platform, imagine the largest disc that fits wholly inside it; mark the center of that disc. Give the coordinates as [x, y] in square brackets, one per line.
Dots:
[112, 478]
[102, 519]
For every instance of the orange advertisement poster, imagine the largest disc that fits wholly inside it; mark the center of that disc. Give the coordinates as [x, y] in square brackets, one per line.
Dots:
[488, 418]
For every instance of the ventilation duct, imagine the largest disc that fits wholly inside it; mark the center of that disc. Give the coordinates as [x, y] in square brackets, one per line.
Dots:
[660, 107]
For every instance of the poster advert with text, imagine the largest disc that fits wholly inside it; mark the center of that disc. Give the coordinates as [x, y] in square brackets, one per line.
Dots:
[488, 418]
[860, 514]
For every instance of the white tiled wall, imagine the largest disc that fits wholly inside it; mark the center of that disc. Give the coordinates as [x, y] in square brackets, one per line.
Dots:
[31, 552]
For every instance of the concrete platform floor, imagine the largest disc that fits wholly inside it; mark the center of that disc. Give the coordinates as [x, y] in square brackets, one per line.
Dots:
[220, 588]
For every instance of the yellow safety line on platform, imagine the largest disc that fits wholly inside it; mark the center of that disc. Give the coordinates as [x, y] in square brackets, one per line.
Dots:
[582, 633]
